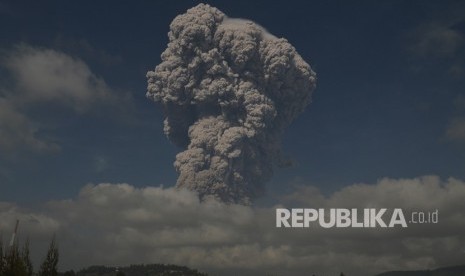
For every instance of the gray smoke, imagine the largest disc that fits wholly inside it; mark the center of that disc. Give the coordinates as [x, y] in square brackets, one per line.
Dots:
[228, 89]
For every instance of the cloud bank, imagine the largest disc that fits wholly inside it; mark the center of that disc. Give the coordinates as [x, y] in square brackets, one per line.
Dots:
[228, 89]
[117, 224]
[39, 77]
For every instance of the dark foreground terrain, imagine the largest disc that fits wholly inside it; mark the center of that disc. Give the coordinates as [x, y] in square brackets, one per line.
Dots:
[174, 270]
[444, 271]
[136, 270]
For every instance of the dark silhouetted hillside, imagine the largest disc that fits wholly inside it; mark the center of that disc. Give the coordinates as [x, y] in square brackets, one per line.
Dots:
[140, 270]
[444, 271]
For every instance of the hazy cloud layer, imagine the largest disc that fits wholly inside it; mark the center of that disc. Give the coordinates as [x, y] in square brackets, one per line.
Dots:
[44, 77]
[120, 224]
[18, 131]
[456, 130]
[440, 41]
[437, 39]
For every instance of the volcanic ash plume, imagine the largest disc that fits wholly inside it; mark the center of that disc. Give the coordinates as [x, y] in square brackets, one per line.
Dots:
[228, 89]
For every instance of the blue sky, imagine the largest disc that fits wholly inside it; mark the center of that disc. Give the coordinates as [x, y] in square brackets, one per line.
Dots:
[388, 111]
[390, 87]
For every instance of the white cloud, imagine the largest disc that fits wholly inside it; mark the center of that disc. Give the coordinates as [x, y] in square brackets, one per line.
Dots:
[118, 224]
[42, 78]
[46, 75]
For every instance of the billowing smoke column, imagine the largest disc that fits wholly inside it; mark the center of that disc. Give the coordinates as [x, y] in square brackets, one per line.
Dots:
[228, 89]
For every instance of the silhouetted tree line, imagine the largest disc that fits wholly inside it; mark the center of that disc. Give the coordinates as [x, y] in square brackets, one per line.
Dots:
[17, 262]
